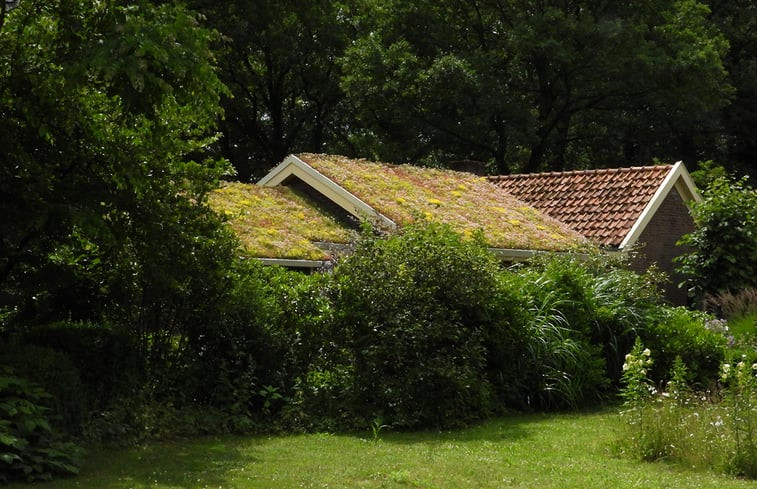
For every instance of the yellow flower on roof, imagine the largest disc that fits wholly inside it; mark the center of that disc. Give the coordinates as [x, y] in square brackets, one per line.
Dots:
[514, 222]
[456, 193]
[244, 202]
[427, 215]
[400, 200]
[435, 202]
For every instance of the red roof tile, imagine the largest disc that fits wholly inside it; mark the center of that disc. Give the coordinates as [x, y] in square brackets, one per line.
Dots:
[603, 205]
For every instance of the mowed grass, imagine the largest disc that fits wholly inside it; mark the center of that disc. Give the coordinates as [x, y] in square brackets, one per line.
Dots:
[535, 451]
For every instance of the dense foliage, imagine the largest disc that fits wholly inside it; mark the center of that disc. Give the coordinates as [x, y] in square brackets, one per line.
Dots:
[416, 314]
[29, 448]
[506, 85]
[723, 248]
[120, 290]
[106, 109]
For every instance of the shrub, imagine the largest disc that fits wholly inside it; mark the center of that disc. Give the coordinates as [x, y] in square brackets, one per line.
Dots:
[107, 358]
[724, 244]
[679, 332]
[224, 363]
[415, 311]
[317, 374]
[29, 448]
[56, 373]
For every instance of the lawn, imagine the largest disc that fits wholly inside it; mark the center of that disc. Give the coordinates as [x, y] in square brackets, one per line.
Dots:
[535, 451]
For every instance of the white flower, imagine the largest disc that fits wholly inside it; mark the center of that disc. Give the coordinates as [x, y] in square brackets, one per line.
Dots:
[646, 352]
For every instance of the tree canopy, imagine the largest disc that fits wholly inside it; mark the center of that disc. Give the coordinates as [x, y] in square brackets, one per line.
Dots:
[106, 113]
[514, 86]
[553, 85]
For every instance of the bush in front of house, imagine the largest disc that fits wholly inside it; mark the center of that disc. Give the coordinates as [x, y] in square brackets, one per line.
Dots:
[584, 313]
[415, 312]
[679, 332]
[424, 328]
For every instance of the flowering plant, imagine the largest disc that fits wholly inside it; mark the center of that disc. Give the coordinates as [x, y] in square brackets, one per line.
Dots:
[637, 388]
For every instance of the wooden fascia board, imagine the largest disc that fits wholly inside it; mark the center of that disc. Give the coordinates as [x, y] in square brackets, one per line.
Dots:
[678, 178]
[293, 166]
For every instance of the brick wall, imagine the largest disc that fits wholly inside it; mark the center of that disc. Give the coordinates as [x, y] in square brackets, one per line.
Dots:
[657, 244]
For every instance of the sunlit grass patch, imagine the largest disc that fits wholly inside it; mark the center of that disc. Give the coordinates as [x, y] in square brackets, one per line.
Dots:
[527, 452]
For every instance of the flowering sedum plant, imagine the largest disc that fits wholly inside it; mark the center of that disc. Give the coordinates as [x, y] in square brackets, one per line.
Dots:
[276, 222]
[467, 202]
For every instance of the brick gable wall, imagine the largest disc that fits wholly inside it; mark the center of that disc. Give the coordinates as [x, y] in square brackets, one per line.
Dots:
[657, 244]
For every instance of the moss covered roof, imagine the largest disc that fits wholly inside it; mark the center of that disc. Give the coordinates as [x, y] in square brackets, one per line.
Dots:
[276, 222]
[467, 202]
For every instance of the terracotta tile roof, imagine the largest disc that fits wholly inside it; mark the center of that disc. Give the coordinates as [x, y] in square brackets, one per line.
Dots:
[467, 202]
[602, 205]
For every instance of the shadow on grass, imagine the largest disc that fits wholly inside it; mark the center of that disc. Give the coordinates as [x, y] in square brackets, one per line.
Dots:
[498, 430]
[513, 428]
[206, 462]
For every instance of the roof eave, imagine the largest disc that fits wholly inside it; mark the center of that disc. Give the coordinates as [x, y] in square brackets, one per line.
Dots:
[519, 255]
[293, 262]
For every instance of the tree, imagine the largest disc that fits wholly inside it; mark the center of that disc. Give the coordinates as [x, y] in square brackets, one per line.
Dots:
[736, 144]
[278, 58]
[723, 252]
[531, 86]
[108, 110]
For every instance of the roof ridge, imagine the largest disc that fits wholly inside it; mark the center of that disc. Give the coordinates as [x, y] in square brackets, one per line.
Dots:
[597, 171]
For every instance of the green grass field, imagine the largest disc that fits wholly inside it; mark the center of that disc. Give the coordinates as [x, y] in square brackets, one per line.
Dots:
[536, 451]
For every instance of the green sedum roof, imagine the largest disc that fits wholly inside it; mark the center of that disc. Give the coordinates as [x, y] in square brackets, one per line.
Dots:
[276, 222]
[467, 202]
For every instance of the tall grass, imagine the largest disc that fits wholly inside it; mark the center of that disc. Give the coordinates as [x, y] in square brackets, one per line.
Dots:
[716, 428]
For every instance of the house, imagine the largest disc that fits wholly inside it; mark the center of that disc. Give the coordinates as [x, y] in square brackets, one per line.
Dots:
[640, 208]
[307, 210]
